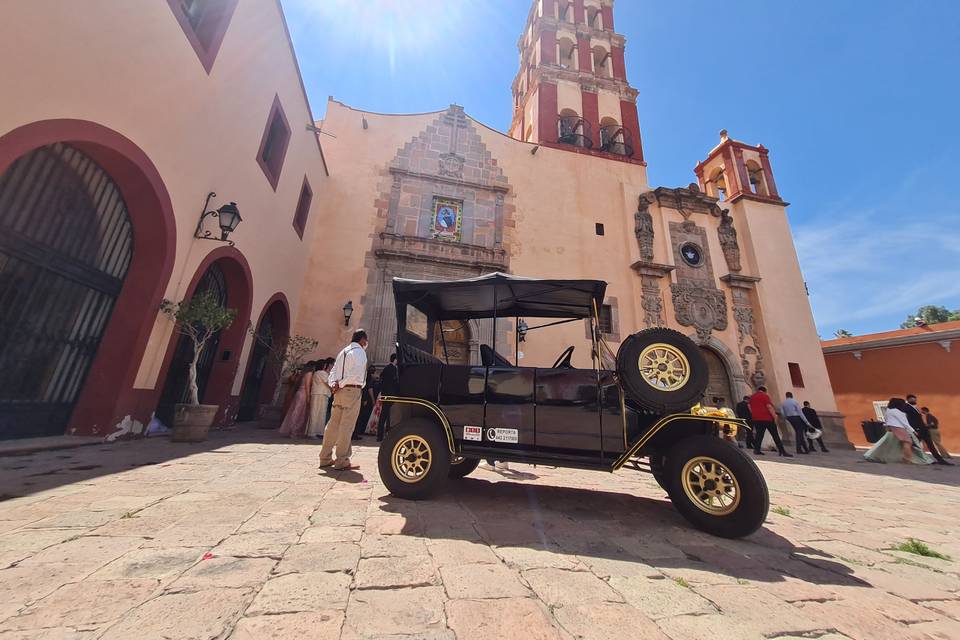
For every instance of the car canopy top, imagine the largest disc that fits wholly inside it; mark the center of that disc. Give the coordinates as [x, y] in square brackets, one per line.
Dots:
[499, 295]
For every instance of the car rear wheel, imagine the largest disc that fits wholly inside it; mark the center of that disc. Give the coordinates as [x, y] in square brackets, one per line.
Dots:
[414, 460]
[716, 487]
[657, 470]
[662, 370]
[461, 467]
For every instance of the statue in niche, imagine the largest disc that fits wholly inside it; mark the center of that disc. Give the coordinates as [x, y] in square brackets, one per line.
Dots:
[644, 228]
[728, 240]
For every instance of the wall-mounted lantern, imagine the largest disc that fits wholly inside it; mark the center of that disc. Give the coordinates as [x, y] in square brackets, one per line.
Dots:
[228, 217]
[347, 313]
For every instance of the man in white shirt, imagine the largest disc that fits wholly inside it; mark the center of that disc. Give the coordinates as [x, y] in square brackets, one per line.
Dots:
[793, 412]
[346, 381]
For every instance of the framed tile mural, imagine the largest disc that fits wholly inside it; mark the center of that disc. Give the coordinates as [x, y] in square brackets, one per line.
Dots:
[447, 219]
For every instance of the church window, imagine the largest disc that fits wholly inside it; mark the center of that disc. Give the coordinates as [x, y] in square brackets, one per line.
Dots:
[692, 254]
[717, 185]
[303, 208]
[600, 229]
[595, 18]
[606, 319]
[567, 53]
[601, 62]
[796, 376]
[273, 146]
[205, 23]
[757, 184]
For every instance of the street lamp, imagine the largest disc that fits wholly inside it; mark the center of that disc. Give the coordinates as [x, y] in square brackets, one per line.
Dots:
[347, 312]
[228, 217]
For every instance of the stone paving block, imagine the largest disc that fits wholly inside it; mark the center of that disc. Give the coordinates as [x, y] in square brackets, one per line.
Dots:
[85, 550]
[891, 606]
[256, 545]
[77, 520]
[313, 625]
[60, 633]
[757, 609]
[712, 627]
[156, 564]
[318, 556]
[456, 552]
[302, 592]
[414, 613]
[532, 558]
[34, 540]
[390, 573]
[624, 566]
[607, 621]
[201, 615]
[83, 604]
[375, 545]
[949, 608]
[939, 630]
[135, 526]
[331, 534]
[482, 581]
[225, 573]
[190, 535]
[660, 598]
[392, 525]
[558, 587]
[502, 618]
[856, 622]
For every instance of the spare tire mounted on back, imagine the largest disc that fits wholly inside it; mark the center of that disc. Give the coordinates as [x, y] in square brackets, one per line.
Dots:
[662, 370]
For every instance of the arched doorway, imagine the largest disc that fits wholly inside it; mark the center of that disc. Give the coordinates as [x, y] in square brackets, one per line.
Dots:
[66, 244]
[451, 342]
[260, 382]
[719, 385]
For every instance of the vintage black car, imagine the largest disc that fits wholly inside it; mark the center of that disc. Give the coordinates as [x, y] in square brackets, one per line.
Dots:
[628, 411]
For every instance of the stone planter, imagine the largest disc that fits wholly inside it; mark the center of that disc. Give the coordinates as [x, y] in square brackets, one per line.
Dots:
[191, 423]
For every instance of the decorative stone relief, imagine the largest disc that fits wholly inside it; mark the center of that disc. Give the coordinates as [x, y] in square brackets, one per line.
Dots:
[644, 228]
[728, 240]
[451, 165]
[751, 357]
[652, 302]
[700, 306]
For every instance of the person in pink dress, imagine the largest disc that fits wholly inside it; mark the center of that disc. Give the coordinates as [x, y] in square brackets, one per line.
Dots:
[294, 422]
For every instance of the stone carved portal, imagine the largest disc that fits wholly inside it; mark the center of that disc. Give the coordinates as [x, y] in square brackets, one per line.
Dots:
[719, 384]
[697, 302]
[445, 162]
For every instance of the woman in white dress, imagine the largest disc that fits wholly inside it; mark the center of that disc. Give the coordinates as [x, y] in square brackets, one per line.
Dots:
[319, 399]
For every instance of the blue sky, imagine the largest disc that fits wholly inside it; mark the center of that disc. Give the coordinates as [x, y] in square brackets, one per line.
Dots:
[858, 103]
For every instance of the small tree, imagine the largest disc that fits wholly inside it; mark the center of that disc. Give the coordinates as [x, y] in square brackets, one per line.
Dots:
[842, 333]
[285, 356]
[199, 319]
[930, 314]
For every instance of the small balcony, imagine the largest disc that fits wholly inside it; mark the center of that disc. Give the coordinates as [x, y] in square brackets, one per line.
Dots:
[616, 140]
[574, 130]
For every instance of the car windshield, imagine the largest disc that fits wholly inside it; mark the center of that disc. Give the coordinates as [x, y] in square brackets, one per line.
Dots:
[486, 320]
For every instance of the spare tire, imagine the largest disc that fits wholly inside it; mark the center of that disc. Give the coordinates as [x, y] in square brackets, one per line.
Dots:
[662, 370]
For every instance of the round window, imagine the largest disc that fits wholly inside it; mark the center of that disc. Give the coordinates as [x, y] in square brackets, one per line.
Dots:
[692, 254]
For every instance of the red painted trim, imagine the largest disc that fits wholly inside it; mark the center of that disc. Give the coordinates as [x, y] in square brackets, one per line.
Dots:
[547, 112]
[278, 307]
[585, 54]
[591, 113]
[207, 43]
[742, 171]
[607, 11]
[108, 394]
[593, 152]
[548, 47]
[239, 281]
[768, 174]
[619, 63]
[302, 212]
[734, 186]
[273, 173]
[631, 121]
[579, 12]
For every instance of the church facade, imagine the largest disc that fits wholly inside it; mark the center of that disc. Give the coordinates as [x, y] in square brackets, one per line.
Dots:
[565, 195]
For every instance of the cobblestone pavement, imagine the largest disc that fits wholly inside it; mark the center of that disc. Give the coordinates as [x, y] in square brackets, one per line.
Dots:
[241, 537]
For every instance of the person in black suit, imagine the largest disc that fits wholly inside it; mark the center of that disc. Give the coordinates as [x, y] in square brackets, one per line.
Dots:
[915, 418]
[389, 379]
[811, 415]
[743, 412]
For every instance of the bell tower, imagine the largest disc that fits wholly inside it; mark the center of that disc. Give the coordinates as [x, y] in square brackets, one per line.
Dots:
[572, 91]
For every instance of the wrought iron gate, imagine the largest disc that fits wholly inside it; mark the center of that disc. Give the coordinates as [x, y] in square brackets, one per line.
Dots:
[66, 243]
[176, 387]
[259, 365]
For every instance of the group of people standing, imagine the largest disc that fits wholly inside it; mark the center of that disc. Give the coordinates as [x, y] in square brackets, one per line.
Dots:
[338, 400]
[908, 426]
[761, 414]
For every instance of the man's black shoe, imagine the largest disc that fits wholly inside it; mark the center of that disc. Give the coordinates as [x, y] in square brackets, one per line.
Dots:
[784, 454]
[758, 453]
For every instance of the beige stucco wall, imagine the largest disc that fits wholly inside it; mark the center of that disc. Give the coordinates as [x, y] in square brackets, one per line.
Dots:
[128, 66]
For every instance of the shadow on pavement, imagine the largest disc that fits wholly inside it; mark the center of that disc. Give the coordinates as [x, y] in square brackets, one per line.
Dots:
[601, 526]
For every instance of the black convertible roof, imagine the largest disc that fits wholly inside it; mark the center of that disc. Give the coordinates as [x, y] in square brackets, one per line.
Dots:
[500, 295]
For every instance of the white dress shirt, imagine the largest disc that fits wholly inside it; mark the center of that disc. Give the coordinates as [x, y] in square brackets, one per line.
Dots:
[350, 368]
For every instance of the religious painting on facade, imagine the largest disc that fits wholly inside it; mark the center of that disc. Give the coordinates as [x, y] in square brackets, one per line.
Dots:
[447, 219]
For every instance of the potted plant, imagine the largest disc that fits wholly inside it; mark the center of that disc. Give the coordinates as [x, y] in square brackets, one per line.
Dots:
[199, 319]
[286, 360]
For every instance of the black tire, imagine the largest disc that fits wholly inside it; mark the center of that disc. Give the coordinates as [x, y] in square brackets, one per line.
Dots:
[657, 470]
[418, 436]
[744, 515]
[462, 467]
[651, 397]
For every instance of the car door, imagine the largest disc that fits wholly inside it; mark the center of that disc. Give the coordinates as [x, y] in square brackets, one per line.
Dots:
[510, 409]
[568, 418]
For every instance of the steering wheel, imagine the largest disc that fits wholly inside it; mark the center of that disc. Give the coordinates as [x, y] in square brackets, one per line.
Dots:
[563, 362]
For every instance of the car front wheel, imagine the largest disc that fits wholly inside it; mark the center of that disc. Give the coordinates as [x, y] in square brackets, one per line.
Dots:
[716, 487]
[414, 460]
[461, 467]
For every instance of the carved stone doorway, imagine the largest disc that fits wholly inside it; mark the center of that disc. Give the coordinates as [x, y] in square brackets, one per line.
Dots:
[719, 385]
[456, 338]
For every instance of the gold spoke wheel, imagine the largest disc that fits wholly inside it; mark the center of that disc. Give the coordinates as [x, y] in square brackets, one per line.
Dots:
[411, 459]
[664, 367]
[711, 486]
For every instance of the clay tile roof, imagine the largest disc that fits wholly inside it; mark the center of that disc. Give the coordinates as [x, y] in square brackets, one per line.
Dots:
[913, 334]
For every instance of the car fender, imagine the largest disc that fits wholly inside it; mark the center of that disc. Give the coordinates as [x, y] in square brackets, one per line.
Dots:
[428, 409]
[669, 430]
